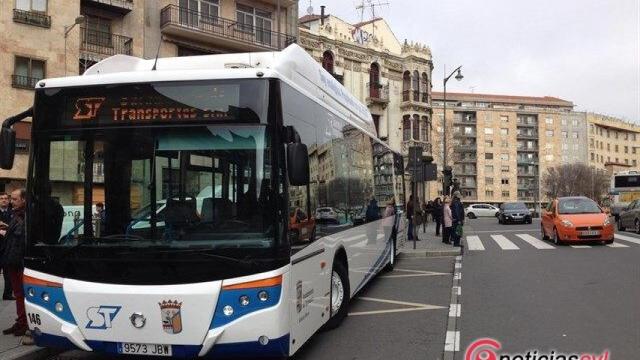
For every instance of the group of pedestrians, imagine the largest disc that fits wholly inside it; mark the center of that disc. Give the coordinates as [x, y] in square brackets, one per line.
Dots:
[447, 213]
[12, 247]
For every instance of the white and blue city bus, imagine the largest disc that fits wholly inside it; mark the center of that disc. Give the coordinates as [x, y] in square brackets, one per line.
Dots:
[210, 169]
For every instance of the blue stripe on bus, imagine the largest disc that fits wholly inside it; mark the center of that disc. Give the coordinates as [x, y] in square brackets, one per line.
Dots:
[52, 341]
[378, 264]
[274, 348]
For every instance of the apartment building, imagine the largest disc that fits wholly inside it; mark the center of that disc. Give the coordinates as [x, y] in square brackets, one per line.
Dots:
[392, 78]
[499, 146]
[54, 38]
[613, 143]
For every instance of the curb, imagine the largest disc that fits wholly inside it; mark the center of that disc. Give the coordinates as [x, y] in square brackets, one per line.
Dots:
[427, 253]
[28, 353]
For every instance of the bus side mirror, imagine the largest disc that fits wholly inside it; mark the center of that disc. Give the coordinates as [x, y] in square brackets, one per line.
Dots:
[7, 147]
[298, 164]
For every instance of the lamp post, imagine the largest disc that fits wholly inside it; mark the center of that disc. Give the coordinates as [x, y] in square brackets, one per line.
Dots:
[444, 122]
[78, 20]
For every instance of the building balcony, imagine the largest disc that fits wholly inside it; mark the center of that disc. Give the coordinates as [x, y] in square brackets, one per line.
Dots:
[458, 121]
[378, 94]
[527, 174]
[184, 23]
[415, 100]
[527, 161]
[526, 136]
[527, 149]
[465, 172]
[117, 6]
[525, 124]
[24, 82]
[35, 18]
[527, 187]
[406, 144]
[461, 134]
[468, 186]
[104, 43]
[468, 160]
[466, 147]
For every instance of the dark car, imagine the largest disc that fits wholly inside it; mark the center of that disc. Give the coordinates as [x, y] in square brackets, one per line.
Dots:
[515, 212]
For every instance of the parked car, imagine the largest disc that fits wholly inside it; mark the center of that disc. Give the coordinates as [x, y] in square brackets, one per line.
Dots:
[359, 217]
[514, 212]
[575, 219]
[326, 214]
[629, 218]
[481, 210]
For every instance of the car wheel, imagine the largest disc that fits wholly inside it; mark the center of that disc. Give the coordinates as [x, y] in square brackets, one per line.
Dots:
[609, 242]
[544, 235]
[620, 227]
[339, 297]
[471, 215]
[556, 237]
[392, 258]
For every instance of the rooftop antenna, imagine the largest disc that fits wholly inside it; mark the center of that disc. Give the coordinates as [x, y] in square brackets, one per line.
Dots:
[310, 9]
[371, 4]
[157, 54]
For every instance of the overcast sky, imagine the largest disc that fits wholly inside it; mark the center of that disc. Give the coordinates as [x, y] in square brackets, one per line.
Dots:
[585, 51]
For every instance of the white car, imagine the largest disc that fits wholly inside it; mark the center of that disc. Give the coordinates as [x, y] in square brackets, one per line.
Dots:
[481, 210]
[327, 214]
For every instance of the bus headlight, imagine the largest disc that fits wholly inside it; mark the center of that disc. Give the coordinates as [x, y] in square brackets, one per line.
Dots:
[227, 310]
[244, 300]
[45, 296]
[59, 307]
[263, 295]
[31, 292]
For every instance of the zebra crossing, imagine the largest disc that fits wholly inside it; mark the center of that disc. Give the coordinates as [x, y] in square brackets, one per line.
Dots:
[519, 241]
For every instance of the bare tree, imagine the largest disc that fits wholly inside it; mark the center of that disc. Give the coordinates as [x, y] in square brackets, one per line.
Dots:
[575, 180]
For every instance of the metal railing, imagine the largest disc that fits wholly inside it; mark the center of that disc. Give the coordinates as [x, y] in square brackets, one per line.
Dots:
[526, 124]
[527, 135]
[24, 82]
[524, 148]
[35, 18]
[378, 92]
[191, 19]
[105, 43]
[124, 4]
[527, 161]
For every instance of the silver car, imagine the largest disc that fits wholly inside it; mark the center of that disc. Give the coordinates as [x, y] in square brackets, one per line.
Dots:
[629, 218]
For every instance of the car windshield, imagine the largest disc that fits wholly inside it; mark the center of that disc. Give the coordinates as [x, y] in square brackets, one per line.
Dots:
[514, 206]
[578, 206]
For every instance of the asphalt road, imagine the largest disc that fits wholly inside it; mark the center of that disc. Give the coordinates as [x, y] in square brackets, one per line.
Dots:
[536, 296]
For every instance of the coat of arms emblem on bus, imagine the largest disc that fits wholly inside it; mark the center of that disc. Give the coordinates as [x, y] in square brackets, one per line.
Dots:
[171, 317]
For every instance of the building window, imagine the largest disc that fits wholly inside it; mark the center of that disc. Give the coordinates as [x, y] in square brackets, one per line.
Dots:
[504, 143]
[593, 156]
[27, 72]
[633, 137]
[626, 149]
[549, 133]
[424, 84]
[488, 143]
[626, 136]
[617, 161]
[504, 157]
[504, 168]
[424, 129]
[488, 131]
[505, 181]
[616, 148]
[488, 193]
[505, 194]
[406, 128]
[616, 132]
[374, 81]
[488, 181]
[416, 127]
[488, 156]
[415, 81]
[608, 147]
[406, 86]
[488, 169]
[564, 122]
[327, 61]
[549, 120]
[633, 149]
[626, 161]
[565, 134]
[504, 131]
[32, 5]
[504, 118]
[634, 162]
[253, 20]
[575, 134]
[575, 122]
[565, 146]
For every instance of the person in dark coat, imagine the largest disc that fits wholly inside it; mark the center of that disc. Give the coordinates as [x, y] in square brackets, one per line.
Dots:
[13, 259]
[373, 212]
[437, 214]
[457, 212]
[5, 218]
[410, 217]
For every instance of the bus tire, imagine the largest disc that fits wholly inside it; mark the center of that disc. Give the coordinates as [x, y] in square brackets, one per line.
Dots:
[392, 258]
[339, 293]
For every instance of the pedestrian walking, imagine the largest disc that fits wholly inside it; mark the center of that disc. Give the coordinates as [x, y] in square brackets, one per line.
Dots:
[5, 218]
[438, 214]
[425, 216]
[13, 258]
[389, 219]
[447, 221]
[410, 217]
[457, 213]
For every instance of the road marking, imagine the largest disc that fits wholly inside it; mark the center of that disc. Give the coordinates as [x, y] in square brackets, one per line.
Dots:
[454, 310]
[503, 231]
[627, 238]
[377, 312]
[452, 341]
[457, 276]
[474, 243]
[459, 258]
[415, 271]
[412, 275]
[457, 290]
[396, 302]
[581, 246]
[504, 243]
[617, 245]
[535, 242]
[458, 266]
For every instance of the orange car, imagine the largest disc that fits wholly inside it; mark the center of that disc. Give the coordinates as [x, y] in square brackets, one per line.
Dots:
[301, 227]
[575, 219]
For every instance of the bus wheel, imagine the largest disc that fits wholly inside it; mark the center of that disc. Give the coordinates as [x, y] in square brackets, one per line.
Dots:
[392, 257]
[339, 295]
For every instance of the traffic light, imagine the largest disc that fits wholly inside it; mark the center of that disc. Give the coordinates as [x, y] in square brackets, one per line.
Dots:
[447, 180]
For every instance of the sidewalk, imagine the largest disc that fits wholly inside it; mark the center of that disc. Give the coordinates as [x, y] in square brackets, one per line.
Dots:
[10, 348]
[429, 245]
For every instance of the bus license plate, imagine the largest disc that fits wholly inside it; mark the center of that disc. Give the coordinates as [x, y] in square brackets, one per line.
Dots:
[590, 233]
[144, 349]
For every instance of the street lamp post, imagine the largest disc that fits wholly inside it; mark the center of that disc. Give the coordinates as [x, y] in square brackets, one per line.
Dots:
[67, 29]
[444, 122]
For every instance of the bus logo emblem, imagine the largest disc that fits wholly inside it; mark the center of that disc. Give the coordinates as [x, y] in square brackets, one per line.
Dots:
[87, 108]
[171, 316]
